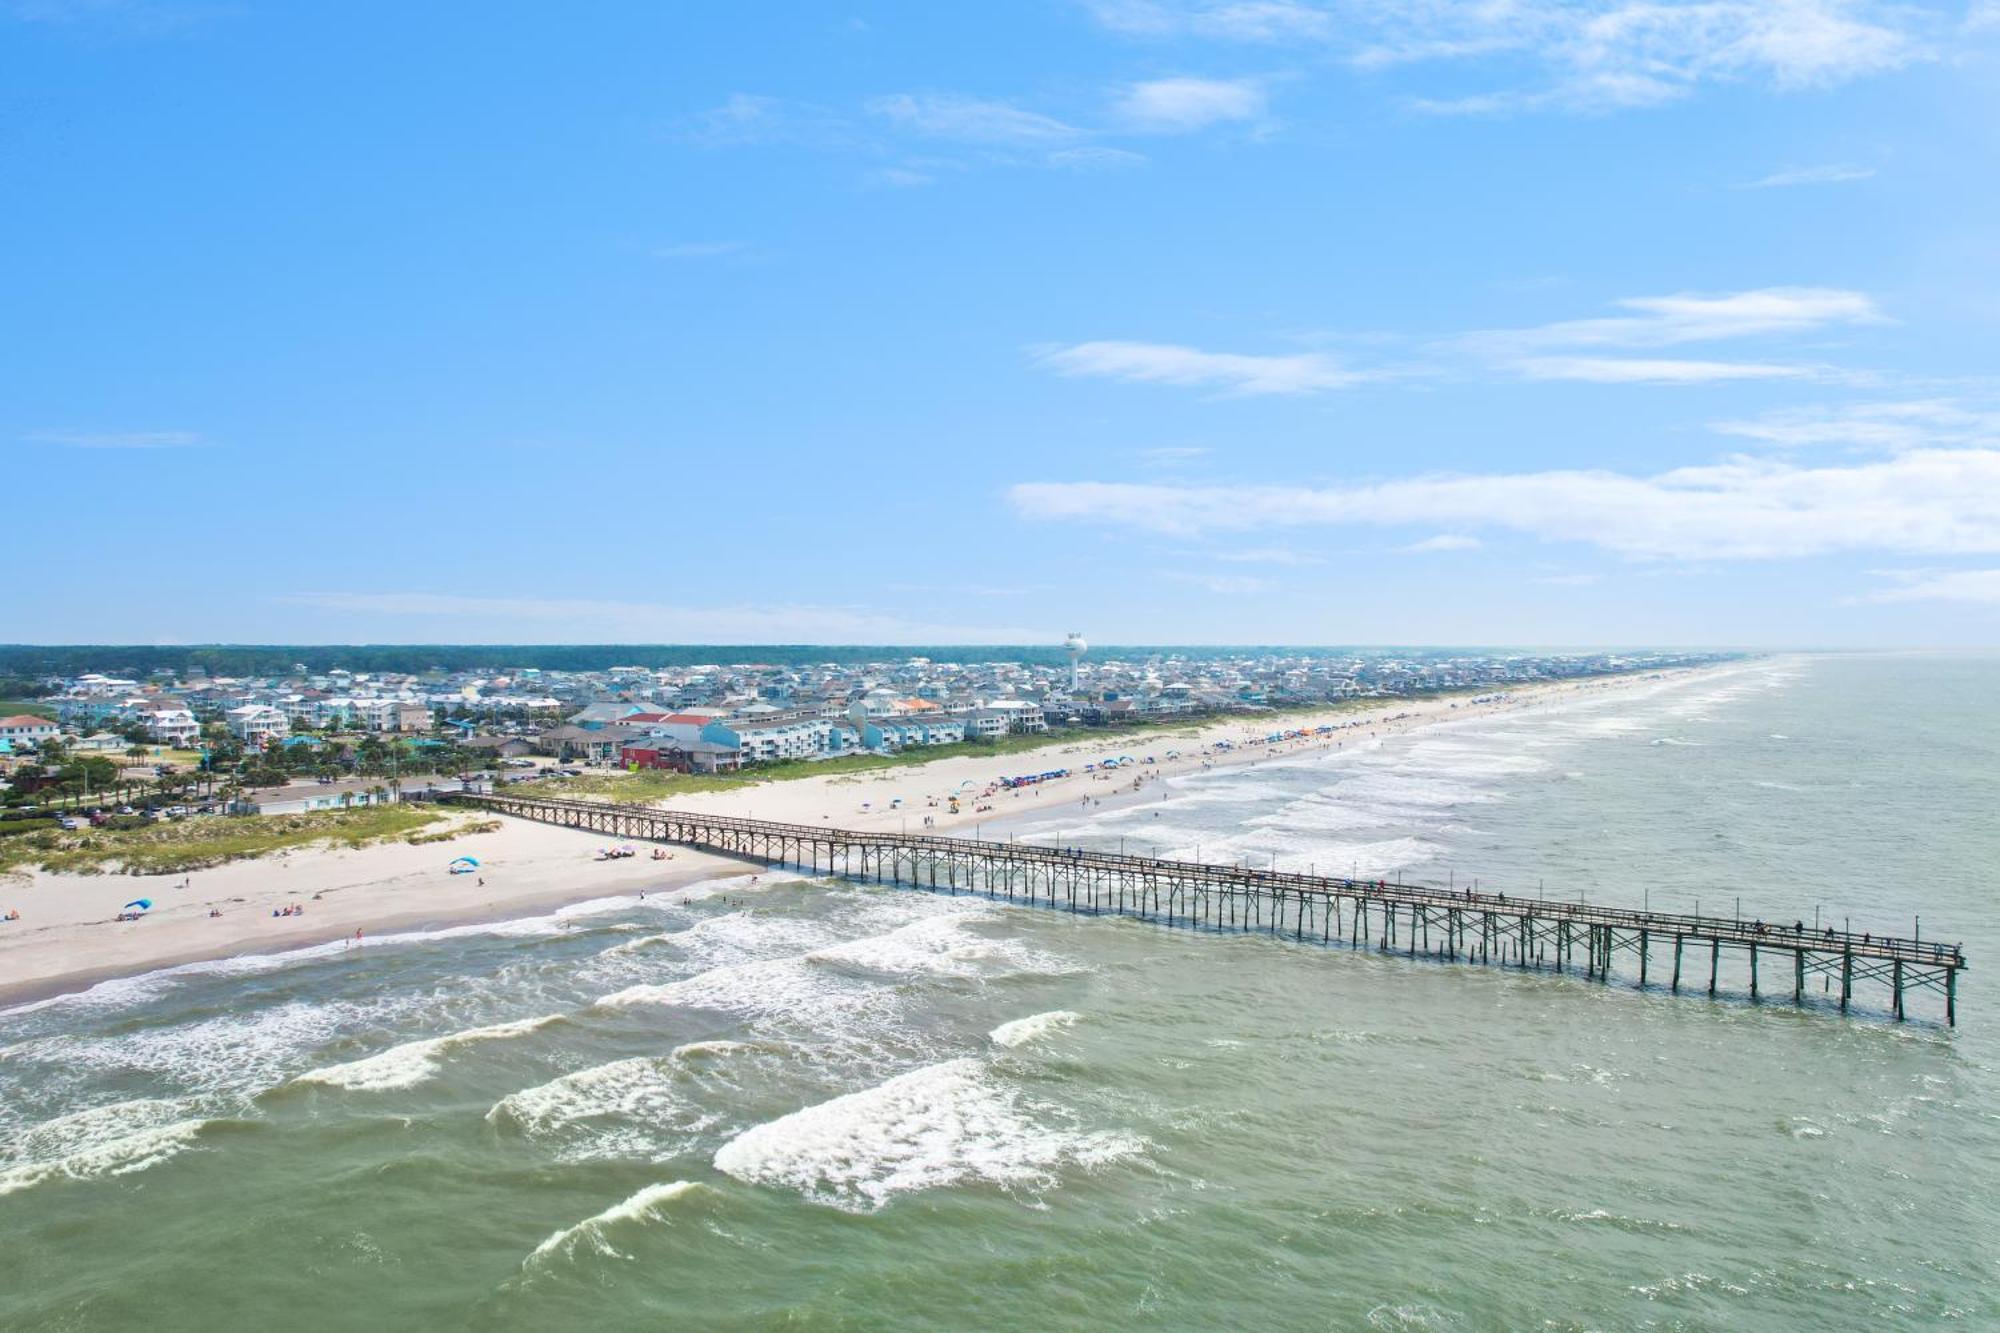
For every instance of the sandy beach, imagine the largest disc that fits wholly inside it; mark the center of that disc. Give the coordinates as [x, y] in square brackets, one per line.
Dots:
[68, 936]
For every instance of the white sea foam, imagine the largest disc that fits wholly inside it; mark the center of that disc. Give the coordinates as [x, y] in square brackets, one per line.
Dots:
[941, 1125]
[933, 946]
[255, 1048]
[411, 1063]
[110, 1157]
[1024, 1030]
[774, 988]
[93, 1127]
[594, 1232]
[119, 992]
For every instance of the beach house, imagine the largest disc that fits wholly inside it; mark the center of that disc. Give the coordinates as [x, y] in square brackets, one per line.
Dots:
[257, 724]
[26, 729]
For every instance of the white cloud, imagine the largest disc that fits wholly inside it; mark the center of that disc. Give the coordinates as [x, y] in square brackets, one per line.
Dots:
[970, 119]
[1921, 423]
[1568, 349]
[1165, 363]
[592, 620]
[1834, 173]
[1444, 541]
[897, 178]
[748, 118]
[1686, 317]
[1583, 55]
[1181, 105]
[1958, 585]
[1929, 501]
[1091, 158]
[129, 439]
[1230, 20]
[1652, 370]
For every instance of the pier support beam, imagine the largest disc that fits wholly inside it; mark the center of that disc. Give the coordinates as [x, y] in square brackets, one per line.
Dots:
[1677, 964]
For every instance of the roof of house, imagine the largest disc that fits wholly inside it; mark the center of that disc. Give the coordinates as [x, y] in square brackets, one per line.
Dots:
[26, 720]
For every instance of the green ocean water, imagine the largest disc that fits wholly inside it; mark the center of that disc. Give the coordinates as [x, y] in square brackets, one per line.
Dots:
[813, 1105]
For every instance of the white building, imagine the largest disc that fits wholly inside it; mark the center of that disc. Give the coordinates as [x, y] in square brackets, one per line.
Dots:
[170, 725]
[254, 724]
[26, 729]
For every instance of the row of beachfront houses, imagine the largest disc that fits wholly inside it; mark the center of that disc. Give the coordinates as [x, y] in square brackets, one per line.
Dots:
[700, 742]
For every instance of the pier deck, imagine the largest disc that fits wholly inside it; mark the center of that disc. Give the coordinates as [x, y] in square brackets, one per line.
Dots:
[1456, 925]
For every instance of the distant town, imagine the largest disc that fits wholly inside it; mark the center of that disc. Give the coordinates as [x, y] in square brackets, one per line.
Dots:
[307, 739]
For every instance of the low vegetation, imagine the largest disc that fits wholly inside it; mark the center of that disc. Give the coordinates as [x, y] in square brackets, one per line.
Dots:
[641, 788]
[182, 846]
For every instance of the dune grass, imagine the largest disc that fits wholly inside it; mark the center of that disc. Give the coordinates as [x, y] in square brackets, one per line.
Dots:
[178, 847]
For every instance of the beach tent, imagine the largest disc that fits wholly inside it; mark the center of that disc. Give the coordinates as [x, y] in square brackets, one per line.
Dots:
[463, 865]
[143, 904]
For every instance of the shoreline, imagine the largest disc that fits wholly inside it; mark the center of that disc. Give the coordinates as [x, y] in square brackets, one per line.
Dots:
[538, 868]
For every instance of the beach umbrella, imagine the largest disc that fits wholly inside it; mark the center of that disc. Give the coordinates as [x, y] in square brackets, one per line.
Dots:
[143, 904]
[465, 861]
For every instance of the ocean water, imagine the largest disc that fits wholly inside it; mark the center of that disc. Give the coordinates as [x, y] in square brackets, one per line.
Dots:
[803, 1103]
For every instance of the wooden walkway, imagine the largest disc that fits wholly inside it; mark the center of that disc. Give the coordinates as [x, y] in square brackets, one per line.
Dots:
[1412, 919]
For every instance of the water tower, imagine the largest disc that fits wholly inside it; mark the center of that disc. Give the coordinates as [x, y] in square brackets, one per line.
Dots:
[1076, 648]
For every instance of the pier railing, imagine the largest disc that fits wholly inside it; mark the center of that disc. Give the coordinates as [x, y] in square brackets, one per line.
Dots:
[1447, 923]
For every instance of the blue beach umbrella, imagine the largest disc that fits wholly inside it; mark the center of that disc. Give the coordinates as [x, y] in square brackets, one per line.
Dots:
[466, 861]
[143, 904]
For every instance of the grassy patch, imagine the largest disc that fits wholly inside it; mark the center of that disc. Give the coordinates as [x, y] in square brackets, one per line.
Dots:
[454, 831]
[198, 844]
[32, 707]
[641, 788]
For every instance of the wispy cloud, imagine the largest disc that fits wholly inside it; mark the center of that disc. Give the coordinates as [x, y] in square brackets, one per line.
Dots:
[1446, 541]
[129, 439]
[1652, 370]
[1957, 585]
[748, 119]
[1575, 55]
[1182, 105]
[1226, 20]
[970, 119]
[1834, 173]
[1936, 501]
[1574, 349]
[897, 178]
[1176, 455]
[1915, 424]
[1232, 372]
[1689, 317]
[1093, 157]
[592, 620]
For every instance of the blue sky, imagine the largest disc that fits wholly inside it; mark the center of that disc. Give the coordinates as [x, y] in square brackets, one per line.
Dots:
[1168, 320]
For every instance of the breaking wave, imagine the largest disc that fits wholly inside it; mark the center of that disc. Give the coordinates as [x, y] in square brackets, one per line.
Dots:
[945, 1124]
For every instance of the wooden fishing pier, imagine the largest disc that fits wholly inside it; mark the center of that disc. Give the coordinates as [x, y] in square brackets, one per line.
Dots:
[1455, 925]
